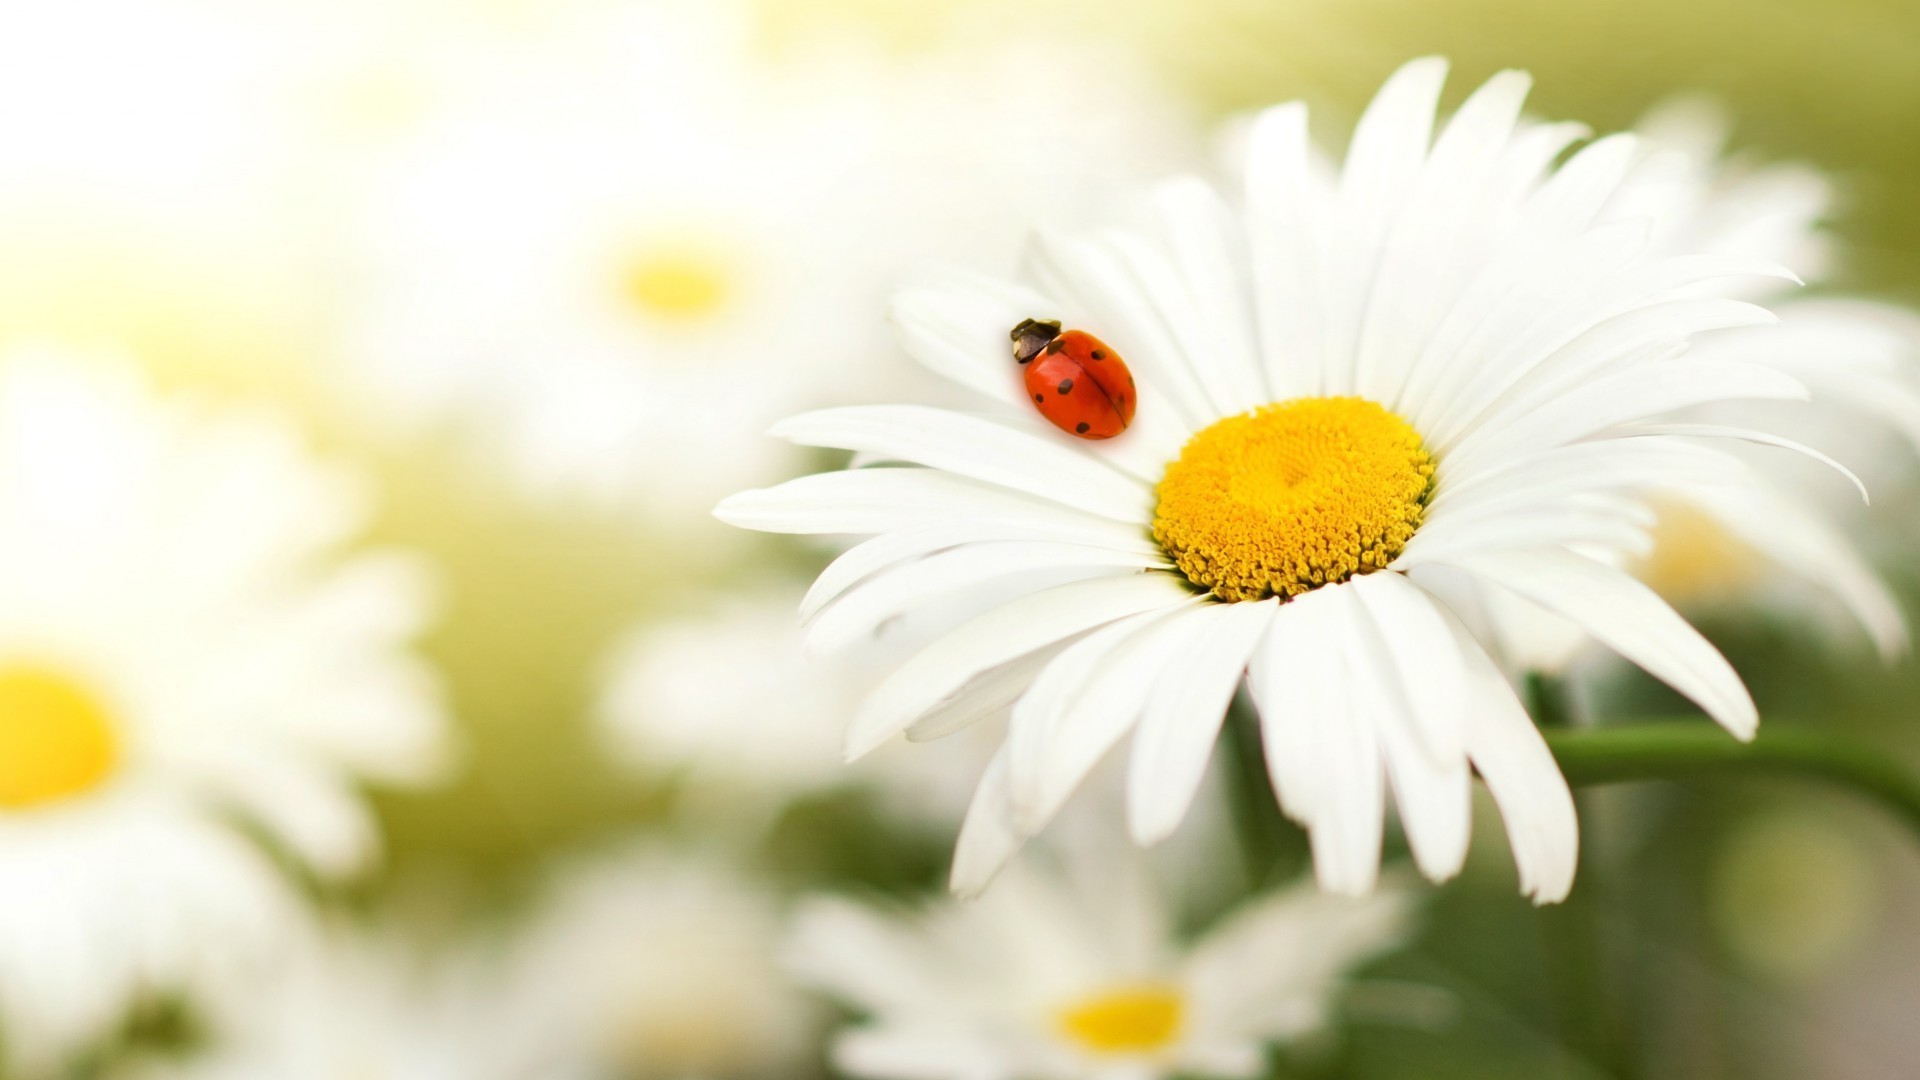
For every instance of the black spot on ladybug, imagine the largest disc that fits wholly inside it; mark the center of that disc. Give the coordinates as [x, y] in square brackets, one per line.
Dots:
[1066, 386]
[1055, 346]
[1039, 397]
[1098, 355]
[1081, 427]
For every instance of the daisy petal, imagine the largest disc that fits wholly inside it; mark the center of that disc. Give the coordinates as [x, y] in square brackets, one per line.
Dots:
[975, 447]
[1432, 790]
[1383, 162]
[879, 500]
[1281, 678]
[1758, 438]
[1798, 539]
[894, 592]
[1073, 736]
[960, 331]
[996, 637]
[1522, 776]
[1283, 249]
[987, 836]
[1627, 617]
[870, 557]
[1175, 738]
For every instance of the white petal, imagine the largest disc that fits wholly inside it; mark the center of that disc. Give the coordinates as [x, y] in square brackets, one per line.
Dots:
[979, 448]
[1439, 236]
[1432, 791]
[984, 695]
[960, 331]
[1382, 165]
[1098, 282]
[1190, 697]
[1803, 542]
[1618, 398]
[1303, 639]
[987, 836]
[1573, 197]
[1086, 721]
[1034, 728]
[996, 637]
[865, 559]
[1418, 646]
[1627, 617]
[894, 592]
[881, 500]
[1522, 776]
[1759, 438]
[1644, 333]
[1216, 332]
[1350, 809]
[1284, 251]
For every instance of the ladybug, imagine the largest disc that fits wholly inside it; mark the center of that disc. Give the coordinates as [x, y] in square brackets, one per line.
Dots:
[1076, 380]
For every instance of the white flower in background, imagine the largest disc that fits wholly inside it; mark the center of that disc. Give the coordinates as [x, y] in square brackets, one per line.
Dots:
[1439, 366]
[1772, 545]
[641, 243]
[181, 641]
[1079, 973]
[651, 964]
[354, 1004]
[728, 699]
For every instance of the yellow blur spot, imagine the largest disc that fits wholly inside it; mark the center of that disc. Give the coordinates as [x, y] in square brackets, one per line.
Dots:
[678, 285]
[1130, 1020]
[1293, 496]
[56, 741]
[1695, 557]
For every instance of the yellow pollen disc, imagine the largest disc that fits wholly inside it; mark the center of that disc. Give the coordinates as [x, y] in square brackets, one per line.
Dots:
[677, 285]
[55, 738]
[1694, 556]
[1293, 496]
[1131, 1020]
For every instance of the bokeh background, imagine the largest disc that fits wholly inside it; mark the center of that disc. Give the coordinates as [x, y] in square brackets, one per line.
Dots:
[240, 195]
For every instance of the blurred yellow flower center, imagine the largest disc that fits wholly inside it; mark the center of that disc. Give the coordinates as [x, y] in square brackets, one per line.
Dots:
[1131, 1020]
[678, 284]
[1293, 496]
[55, 738]
[1694, 556]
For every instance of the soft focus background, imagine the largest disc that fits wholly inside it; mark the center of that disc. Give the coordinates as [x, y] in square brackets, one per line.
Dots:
[544, 271]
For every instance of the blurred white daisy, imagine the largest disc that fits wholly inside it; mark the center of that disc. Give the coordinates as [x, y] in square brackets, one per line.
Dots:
[1437, 366]
[358, 1004]
[641, 242]
[647, 963]
[1796, 541]
[1079, 973]
[181, 641]
[747, 739]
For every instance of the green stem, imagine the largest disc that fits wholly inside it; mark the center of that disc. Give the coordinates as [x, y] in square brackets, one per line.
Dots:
[1667, 750]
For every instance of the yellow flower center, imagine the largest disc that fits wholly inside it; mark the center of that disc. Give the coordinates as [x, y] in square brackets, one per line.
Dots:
[1694, 556]
[679, 285]
[1130, 1020]
[1293, 496]
[56, 740]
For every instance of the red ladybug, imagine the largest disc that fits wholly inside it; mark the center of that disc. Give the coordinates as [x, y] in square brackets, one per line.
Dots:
[1076, 381]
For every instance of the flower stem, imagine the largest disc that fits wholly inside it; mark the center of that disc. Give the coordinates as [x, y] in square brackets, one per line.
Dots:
[1653, 751]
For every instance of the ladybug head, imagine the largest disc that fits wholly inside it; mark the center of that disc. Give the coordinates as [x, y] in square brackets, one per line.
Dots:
[1031, 336]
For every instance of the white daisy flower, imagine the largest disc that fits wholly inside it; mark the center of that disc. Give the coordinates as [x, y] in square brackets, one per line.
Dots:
[1081, 974]
[1437, 366]
[749, 739]
[612, 259]
[180, 641]
[1773, 544]
[647, 963]
[356, 1004]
